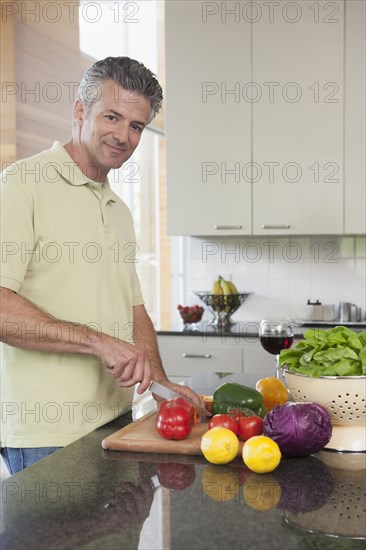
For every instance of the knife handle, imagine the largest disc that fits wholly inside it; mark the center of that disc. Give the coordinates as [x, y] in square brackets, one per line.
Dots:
[196, 356]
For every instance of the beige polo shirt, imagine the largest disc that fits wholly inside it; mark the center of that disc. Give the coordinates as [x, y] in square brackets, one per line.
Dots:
[68, 245]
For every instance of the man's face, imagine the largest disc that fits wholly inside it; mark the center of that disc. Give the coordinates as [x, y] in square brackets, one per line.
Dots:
[110, 130]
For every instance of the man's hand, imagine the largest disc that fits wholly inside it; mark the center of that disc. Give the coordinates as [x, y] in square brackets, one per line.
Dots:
[185, 391]
[126, 362]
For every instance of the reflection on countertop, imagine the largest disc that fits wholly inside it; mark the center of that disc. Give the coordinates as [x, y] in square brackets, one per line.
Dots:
[86, 497]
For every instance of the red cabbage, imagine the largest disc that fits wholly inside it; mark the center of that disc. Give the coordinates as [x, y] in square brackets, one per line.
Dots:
[306, 484]
[299, 429]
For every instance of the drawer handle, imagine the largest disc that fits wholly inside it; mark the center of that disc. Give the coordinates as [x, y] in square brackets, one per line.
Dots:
[228, 226]
[275, 226]
[196, 356]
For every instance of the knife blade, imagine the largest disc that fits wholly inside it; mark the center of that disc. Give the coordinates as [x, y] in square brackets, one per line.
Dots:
[166, 393]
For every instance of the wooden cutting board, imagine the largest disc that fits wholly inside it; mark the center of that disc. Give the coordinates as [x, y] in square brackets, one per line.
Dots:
[141, 436]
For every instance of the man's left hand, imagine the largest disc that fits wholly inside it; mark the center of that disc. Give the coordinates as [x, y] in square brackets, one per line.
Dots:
[185, 391]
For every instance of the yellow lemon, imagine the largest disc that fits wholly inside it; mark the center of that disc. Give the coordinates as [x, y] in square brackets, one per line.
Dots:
[220, 483]
[262, 492]
[219, 445]
[261, 454]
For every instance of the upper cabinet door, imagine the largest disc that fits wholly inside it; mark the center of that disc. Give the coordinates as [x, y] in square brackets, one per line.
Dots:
[208, 119]
[355, 118]
[298, 127]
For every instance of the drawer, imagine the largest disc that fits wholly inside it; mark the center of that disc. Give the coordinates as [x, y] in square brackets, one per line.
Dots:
[186, 358]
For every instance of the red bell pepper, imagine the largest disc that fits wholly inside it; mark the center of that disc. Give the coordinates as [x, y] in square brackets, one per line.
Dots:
[175, 418]
[176, 476]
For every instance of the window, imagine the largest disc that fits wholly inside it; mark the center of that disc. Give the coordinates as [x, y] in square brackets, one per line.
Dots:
[137, 183]
[135, 29]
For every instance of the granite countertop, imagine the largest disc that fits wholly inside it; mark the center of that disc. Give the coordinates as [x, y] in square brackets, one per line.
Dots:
[249, 328]
[85, 497]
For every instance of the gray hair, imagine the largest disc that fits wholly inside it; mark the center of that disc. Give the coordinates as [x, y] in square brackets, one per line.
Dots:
[127, 73]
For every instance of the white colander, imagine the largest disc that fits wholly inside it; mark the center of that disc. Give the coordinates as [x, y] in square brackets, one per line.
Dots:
[344, 397]
[343, 515]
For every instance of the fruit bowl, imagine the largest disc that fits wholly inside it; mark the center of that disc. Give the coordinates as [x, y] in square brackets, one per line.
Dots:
[222, 306]
[190, 315]
[344, 397]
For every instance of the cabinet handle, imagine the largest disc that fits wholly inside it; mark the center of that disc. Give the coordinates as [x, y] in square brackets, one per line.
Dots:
[228, 226]
[196, 356]
[275, 226]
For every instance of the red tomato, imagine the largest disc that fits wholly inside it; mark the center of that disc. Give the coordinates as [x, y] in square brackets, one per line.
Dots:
[238, 412]
[234, 413]
[223, 421]
[249, 426]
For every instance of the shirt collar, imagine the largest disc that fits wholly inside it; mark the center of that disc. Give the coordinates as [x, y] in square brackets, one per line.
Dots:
[70, 172]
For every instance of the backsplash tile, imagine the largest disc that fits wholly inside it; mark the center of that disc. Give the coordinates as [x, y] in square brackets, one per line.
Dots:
[301, 270]
[282, 272]
[301, 290]
[347, 247]
[360, 247]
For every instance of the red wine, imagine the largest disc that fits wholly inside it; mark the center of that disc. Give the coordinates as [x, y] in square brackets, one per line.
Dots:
[274, 344]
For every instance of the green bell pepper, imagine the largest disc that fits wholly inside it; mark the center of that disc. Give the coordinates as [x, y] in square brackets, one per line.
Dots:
[232, 395]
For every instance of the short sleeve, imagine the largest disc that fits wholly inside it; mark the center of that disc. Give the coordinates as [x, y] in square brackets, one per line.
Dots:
[16, 232]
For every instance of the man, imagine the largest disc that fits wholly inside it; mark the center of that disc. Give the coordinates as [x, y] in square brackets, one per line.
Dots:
[77, 337]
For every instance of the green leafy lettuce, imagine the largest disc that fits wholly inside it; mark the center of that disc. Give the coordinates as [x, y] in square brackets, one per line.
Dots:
[338, 351]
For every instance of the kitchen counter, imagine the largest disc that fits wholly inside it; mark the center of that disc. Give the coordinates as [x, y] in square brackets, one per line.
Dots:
[85, 497]
[249, 329]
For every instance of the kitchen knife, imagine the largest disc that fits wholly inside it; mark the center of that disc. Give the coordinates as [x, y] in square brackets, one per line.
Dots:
[166, 393]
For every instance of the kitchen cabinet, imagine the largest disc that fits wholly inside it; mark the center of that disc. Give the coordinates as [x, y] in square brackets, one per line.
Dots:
[264, 118]
[355, 118]
[298, 122]
[184, 356]
[207, 124]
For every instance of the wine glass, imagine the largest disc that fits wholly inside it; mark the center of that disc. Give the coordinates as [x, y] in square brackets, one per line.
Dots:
[274, 335]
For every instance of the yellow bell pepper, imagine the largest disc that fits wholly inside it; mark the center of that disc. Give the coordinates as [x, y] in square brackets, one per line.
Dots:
[274, 392]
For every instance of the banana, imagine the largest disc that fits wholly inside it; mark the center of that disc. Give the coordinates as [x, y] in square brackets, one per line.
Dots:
[225, 288]
[235, 302]
[225, 285]
[216, 289]
[234, 290]
[228, 289]
[217, 292]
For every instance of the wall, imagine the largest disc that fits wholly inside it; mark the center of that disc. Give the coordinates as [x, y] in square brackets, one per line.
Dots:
[42, 68]
[283, 273]
[7, 105]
